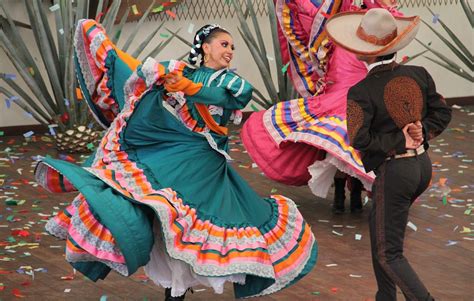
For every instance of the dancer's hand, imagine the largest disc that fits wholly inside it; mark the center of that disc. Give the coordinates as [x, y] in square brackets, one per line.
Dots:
[172, 78]
[410, 143]
[175, 82]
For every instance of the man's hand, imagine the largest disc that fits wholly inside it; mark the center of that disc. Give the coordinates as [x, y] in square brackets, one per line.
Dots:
[410, 142]
[415, 130]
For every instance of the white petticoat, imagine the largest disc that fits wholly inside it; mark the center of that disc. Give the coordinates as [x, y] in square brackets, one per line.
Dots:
[178, 275]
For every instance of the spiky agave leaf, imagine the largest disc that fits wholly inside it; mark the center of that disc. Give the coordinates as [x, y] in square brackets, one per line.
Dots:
[266, 75]
[459, 71]
[10, 50]
[111, 15]
[180, 38]
[24, 106]
[284, 90]
[468, 11]
[452, 65]
[411, 58]
[282, 84]
[31, 103]
[146, 41]
[47, 53]
[137, 27]
[458, 53]
[57, 59]
[455, 39]
[260, 58]
[258, 32]
[162, 45]
[118, 29]
[13, 34]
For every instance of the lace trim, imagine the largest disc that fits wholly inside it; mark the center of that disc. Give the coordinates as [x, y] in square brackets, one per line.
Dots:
[215, 110]
[236, 117]
[254, 268]
[88, 237]
[81, 55]
[53, 228]
[118, 267]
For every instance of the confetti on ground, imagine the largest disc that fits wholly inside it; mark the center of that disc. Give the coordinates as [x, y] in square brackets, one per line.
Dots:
[22, 217]
[412, 226]
[451, 243]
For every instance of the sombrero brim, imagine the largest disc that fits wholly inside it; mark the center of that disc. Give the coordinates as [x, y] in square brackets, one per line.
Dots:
[342, 27]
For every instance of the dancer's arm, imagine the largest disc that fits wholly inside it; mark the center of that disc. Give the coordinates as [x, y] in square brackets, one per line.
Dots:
[231, 92]
[438, 113]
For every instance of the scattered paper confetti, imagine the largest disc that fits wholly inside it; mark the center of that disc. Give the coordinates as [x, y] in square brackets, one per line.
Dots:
[191, 28]
[28, 134]
[412, 226]
[451, 243]
[171, 14]
[9, 76]
[158, 9]
[134, 9]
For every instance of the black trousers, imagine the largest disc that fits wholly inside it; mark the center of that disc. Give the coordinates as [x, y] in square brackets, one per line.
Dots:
[397, 184]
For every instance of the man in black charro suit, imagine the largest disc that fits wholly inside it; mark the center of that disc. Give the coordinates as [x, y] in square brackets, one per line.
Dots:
[391, 115]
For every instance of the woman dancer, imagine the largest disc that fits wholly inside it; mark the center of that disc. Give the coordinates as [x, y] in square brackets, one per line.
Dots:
[159, 191]
[304, 141]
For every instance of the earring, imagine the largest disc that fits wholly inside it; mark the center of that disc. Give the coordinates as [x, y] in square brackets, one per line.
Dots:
[206, 58]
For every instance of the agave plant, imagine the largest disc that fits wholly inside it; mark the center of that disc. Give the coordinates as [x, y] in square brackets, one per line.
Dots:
[256, 45]
[456, 46]
[62, 106]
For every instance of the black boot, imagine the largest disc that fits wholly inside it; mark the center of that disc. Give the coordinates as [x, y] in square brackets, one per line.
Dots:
[339, 195]
[356, 195]
[168, 296]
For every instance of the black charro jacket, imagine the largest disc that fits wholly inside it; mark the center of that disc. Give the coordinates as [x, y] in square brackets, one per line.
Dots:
[388, 98]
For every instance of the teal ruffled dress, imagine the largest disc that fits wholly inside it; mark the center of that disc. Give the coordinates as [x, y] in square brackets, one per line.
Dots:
[159, 191]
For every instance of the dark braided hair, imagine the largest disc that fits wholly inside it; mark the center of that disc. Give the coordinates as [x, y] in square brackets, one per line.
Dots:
[204, 35]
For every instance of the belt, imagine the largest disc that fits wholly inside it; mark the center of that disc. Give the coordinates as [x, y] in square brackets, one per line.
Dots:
[409, 153]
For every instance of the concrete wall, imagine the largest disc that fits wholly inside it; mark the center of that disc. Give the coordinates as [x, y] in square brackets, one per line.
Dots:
[448, 84]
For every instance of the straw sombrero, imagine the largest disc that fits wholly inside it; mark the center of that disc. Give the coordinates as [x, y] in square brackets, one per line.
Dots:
[372, 33]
